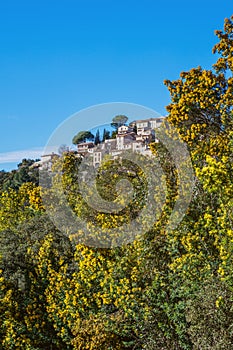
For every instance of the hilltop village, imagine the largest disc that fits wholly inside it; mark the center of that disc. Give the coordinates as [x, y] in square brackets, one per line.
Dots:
[135, 137]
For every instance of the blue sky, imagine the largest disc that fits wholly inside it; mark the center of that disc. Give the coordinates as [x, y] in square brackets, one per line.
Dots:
[58, 57]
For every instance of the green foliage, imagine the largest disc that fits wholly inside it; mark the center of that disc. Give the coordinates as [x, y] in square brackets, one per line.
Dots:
[106, 135]
[14, 179]
[24, 319]
[118, 121]
[210, 316]
[82, 136]
[97, 137]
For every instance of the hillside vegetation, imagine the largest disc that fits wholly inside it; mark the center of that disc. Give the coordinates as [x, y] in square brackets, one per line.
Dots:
[166, 290]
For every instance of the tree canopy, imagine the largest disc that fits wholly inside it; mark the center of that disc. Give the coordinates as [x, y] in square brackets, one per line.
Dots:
[119, 120]
[82, 136]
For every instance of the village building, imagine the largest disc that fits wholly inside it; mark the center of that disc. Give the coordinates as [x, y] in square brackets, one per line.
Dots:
[136, 137]
[85, 147]
[46, 161]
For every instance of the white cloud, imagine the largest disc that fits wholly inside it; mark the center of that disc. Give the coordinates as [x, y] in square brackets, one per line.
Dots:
[17, 156]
